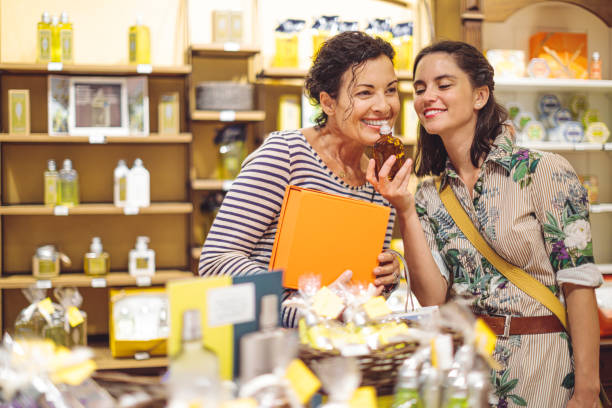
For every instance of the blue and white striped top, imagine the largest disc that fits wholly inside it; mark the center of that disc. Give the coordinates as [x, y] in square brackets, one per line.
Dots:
[241, 238]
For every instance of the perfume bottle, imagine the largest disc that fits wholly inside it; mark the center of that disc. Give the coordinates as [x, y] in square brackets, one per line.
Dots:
[386, 146]
[66, 39]
[51, 178]
[46, 262]
[43, 49]
[68, 185]
[595, 68]
[56, 44]
[120, 176]
[139, 43]
[142, 259]
[96, 262]
[194, 369]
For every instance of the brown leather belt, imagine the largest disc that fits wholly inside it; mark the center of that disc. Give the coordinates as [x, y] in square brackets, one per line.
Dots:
[514, 325]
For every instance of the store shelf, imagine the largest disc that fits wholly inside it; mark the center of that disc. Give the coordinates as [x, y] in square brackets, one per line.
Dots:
[552, 84]
[229, 116]
[113, 279]
[293, 73]
[211, 184]
[105, 361]
[46, 138]
[565, 146]
[601, 208]
[224, 50]
[96, 209]
[21, 68]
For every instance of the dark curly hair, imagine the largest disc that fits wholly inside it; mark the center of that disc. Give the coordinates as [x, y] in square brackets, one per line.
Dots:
[347, 50]
[430, 152]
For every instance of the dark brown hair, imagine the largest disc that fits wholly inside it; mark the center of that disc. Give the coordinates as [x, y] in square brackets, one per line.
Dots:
[347, 50]
[430, 153]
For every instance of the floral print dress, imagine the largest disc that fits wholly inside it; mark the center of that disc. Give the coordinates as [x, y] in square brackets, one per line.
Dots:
[532, 210]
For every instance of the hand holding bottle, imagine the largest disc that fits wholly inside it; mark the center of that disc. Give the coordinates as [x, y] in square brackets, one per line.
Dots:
[396, 190]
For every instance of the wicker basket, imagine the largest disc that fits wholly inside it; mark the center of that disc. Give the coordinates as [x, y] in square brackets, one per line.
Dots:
[222, 95]
[378, 369]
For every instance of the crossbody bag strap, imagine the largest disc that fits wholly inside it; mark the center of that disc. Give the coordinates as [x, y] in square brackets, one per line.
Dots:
[514, 274]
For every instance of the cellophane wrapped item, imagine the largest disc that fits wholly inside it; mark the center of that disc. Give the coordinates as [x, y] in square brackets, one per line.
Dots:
[75, 320]
[41, 318]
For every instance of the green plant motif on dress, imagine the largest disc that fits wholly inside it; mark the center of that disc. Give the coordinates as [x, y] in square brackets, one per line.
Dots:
[503, 388]
[522, 161]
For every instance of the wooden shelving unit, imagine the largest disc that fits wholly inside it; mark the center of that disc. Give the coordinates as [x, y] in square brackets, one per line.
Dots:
[211, 184]
[152, 138]
[24, 68]
[105, 361]
[226, 50]
[228, 116]
[96, 209]
[113, 279]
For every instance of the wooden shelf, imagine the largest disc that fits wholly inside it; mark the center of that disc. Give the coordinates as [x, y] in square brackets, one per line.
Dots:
[96, 209]
[105, 361]
[229, 116]
[292, 73]
[113, 279]
[211, 184]
[552, 85]
[23, 68]
[225, 50]
[46, 138]
[601, 208]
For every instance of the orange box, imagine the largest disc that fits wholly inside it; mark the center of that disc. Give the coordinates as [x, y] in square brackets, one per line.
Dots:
[565, 53]
[325, 234]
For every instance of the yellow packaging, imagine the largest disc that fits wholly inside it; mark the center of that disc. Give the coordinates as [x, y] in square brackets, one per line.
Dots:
[168, 114]
[127, 348]
[139, 44]
[289, 112]
[235, 28]
[43, 39]
[404, 53]
[221, 26]
[19, 111]
[286, 55]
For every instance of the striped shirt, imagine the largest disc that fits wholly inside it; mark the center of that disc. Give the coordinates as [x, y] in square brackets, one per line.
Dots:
[241, 238]
[532, 210]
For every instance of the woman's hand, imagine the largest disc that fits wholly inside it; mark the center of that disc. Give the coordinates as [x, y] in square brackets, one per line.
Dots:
[396, 190]
[584, 399]
[388, 270]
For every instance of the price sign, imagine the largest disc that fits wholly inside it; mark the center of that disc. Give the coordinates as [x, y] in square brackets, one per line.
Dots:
[227, 116]
[55, 66]
[60, 210]
[144, 68]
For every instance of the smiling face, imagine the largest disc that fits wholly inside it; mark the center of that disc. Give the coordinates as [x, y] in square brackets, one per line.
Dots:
[445, 101]
[365, 102]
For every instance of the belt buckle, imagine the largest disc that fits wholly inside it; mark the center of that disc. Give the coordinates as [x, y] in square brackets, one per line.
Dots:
[507, 322]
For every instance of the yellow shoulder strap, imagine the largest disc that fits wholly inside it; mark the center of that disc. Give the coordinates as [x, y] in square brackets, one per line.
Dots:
[516, 275]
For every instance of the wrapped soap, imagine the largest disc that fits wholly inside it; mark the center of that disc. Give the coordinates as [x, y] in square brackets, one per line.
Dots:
[597, 132]
[75, 319]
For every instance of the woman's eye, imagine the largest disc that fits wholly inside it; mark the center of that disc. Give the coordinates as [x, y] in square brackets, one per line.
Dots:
[392, 90]
[419, 91]
[444, 86]
[363, 93]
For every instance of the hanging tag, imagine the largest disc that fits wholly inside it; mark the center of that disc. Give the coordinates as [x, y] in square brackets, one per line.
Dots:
[364, 397]
[55, 66]
[327, 304]
[227, 116]
[43, 284]
[97, 138]
[302, 381]
[98, 283]
[60, 210]
[75, 317]
[144, 68]
[231, 46]
[130, 210]
[376, 307]
[45, 306]
[143, 281]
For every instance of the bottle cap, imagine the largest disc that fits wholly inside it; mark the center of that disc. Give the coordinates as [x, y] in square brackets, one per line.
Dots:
[142, 242]
[96, 245]
[596, 55]
[138, 162]
[51, 165]
[67, 164]
[121, 163]
[139, 20]
[64, 17]
[268, 317]
[385, 129]
[55, 20]
[192, 327]
[45, 17]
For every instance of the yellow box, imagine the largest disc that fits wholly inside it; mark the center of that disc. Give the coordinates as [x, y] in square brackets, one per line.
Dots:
[154, 346]
[221, 26]
[289, 112]
[168, 114]
[565, 53]
[19, 111]
[286, 50]
[235, 28]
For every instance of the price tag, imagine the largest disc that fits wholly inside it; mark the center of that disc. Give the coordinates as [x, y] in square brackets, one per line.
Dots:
[75, 317]
[227, 116]
[130, 210]
[55, 66]
[142, 355]
[231, 46]
[143, 281]
[303, 382]
[98, 283]
[226, 185]
[43, 284]
[60, 210]
[97, 138]
[144, 68]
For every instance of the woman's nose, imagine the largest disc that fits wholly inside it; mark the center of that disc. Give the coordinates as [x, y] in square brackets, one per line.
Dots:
[381, 104]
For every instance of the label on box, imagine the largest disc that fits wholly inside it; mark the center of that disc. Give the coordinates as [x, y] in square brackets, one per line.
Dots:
[227, 116]
[130, 210]
[97, 138]
[60, 210]
[143, 281]
[144, 68]
[231, 305]
[55, 66]
[43, 284]
[98, 283]
[231, 46]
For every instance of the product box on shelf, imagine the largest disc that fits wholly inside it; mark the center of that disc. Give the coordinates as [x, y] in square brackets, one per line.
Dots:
[138, 322]
[565, 53]
[325, 234]
[507, 63]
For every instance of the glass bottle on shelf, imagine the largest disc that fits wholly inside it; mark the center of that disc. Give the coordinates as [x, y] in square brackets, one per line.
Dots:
[68, 185]
[43, 49]
[96, 262]
[56, 44]
[51, 177]
[66, 39]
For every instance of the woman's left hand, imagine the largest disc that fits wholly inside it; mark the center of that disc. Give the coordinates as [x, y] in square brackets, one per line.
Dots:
[584, 399]
[387, 272]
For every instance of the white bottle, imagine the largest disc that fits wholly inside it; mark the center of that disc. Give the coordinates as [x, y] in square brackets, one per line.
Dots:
[138, 186]
[142, 259]
[120, 184]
